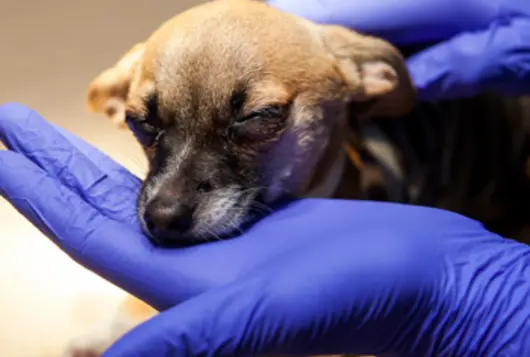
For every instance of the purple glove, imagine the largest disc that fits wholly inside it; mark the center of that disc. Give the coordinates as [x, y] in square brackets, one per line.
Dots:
[480, 44]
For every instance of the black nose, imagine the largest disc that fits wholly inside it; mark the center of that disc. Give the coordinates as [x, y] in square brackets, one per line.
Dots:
[167, 220]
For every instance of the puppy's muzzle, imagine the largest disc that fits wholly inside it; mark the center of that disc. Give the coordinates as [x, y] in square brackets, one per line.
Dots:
[168, 220]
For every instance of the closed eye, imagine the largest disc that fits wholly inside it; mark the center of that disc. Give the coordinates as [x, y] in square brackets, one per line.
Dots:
[269, 112]
[145, 132]
[258, 126]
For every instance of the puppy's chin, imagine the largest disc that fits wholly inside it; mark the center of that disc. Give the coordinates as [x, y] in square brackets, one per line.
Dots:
[221, 214]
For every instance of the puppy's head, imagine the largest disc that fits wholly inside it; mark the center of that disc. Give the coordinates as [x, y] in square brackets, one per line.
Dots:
[234, 103]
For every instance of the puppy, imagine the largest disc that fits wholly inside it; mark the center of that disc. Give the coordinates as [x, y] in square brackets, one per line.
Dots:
[237, 104]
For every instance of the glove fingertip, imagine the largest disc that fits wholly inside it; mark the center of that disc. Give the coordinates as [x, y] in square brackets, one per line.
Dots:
[495, 60]
[14, 109]
[12, 161]
[13, 113]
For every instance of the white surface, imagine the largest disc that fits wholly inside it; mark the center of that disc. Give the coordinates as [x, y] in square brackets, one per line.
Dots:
[49, 54]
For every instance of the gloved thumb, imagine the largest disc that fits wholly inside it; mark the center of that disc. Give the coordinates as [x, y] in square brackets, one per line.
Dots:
[242, 319]
[344, 295]
[220, 322]
[496, 59]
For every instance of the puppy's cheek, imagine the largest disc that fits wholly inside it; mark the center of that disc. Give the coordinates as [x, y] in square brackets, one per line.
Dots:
[290, 163]
[278, 168]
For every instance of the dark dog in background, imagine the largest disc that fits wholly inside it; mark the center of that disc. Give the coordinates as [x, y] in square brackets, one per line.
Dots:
[470, 156]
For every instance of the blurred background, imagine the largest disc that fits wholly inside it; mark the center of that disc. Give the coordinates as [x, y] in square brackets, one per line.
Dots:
[50, 52]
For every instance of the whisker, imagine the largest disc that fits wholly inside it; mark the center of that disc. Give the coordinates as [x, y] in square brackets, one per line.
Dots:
[233, 224]
[211, 233]
[261, 206]
[252, 190]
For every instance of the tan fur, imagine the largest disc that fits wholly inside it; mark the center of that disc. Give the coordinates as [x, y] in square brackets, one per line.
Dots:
[320, 69]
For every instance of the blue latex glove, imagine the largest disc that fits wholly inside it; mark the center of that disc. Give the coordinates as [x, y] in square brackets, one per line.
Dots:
[319, 276]
[480, 44]
[424, 283]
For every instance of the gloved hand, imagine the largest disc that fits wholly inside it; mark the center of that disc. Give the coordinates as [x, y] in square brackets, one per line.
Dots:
[369, 278]
[478, 44]
[319, 276]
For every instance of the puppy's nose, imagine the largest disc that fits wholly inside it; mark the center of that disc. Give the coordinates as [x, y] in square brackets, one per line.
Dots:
[164, 218]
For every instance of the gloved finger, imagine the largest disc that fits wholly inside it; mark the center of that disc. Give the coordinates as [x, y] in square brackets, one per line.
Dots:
[425, 21]
[114, 170]
[113, 192]
[195, 327]
[353, 303]
[44, 200]
[15, 112]
[497, 59]
[104, 246]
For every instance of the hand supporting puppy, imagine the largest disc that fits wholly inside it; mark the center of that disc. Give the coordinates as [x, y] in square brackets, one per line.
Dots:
[319, 276]
[478, 44]
[428, 283]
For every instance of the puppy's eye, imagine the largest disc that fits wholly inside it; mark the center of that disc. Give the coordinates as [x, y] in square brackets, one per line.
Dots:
[146, 133]
[259, 125]
[271, 112]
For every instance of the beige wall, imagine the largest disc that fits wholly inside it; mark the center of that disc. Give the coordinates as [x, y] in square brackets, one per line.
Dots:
[49, 53]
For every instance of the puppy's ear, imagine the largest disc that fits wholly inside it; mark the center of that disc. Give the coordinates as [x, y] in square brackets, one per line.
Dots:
[107, 93]
[373, 70]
